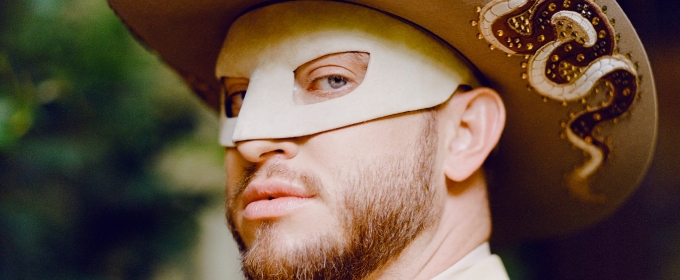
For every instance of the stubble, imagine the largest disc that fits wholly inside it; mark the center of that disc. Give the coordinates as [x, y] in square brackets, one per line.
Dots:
[385, 206]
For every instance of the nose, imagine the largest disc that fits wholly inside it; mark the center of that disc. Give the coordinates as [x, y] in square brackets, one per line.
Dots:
[260, 150]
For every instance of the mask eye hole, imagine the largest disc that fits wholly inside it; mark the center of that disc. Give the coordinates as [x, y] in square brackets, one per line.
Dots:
[327, 77]
[233, 94]
[330, 76]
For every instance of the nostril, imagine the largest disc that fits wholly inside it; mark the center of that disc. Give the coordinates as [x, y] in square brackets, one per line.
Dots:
[272, 153]
[262, 150]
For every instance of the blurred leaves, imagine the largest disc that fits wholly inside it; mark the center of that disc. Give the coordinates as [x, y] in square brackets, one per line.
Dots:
[85, 113]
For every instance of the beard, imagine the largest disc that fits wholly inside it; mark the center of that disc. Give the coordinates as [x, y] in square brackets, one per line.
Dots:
[386, 204]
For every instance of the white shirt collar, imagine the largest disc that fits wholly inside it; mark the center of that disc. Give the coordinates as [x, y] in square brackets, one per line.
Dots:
[475, 256]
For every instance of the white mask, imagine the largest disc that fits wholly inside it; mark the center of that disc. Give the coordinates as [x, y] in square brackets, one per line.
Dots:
[408, 69]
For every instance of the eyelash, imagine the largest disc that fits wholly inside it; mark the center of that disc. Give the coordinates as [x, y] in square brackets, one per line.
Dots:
[327, 78]
[229, 102]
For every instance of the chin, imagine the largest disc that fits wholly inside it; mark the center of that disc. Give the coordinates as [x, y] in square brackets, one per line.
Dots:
[294, 229]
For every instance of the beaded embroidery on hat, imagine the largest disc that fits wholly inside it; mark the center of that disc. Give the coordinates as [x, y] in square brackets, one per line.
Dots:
[571, 56]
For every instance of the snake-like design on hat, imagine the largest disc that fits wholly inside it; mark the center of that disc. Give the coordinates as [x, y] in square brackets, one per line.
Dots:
[571, 50]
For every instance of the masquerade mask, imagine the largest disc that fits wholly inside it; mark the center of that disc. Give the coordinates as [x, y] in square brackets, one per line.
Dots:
[271, 57]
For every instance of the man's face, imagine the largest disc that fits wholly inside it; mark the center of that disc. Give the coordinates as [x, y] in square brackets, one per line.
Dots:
[332, 158]
[354, 196]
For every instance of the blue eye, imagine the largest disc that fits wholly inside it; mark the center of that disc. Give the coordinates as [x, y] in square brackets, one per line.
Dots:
[328, 77]
[336, 82]
[329, 84]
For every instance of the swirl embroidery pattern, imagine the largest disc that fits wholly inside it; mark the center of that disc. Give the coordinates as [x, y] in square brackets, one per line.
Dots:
[571, 50]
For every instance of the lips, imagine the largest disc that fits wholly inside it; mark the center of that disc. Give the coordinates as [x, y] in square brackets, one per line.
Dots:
[270, 199]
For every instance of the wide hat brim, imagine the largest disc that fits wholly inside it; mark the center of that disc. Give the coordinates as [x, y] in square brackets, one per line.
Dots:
[528, 192]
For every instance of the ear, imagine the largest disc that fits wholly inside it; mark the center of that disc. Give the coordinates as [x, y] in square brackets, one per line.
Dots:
[473, 122]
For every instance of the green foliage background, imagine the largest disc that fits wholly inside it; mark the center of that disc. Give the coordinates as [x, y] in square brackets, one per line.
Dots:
[90, 126]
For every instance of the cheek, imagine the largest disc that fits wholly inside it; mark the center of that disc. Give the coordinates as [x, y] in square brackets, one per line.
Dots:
[369, 140]
[234, 164]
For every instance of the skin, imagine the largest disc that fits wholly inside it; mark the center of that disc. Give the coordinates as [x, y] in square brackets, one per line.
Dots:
[468, 127]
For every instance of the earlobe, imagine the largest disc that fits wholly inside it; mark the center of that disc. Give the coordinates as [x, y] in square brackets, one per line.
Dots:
[474, 121]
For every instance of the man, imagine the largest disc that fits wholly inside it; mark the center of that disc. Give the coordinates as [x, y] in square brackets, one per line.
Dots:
[356, 134]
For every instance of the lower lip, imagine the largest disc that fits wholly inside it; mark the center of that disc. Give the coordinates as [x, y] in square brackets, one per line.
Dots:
[267, 209]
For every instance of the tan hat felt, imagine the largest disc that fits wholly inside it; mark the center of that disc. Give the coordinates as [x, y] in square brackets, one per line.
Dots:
[579, 92]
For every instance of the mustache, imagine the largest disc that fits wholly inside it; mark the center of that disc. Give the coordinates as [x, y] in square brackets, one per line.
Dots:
[280, 171]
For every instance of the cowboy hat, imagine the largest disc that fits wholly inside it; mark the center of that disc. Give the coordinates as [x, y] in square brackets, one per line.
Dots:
[582, 117]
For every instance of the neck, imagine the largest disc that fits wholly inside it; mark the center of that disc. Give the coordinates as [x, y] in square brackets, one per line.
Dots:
[464, 225]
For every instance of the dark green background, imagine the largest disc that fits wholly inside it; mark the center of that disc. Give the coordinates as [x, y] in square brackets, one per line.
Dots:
[88, 123]
[95, 135]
